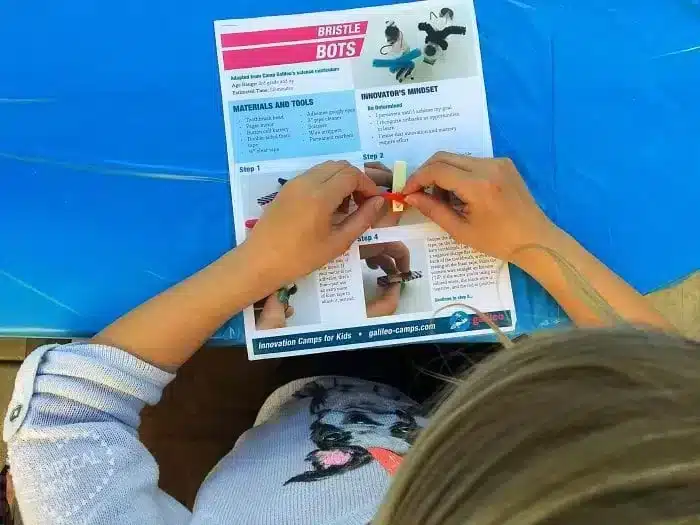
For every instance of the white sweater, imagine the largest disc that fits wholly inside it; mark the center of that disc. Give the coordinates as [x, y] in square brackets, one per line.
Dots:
[323, 455]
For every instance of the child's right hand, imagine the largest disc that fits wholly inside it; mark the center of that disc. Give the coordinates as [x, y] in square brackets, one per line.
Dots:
[500, 215]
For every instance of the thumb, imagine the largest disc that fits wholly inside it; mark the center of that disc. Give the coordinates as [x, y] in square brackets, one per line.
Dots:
[438, 212]
[360, 220]
[272, 315]
[386, 302]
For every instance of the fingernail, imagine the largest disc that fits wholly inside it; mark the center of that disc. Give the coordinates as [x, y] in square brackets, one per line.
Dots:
[410, 199]
[377, 203]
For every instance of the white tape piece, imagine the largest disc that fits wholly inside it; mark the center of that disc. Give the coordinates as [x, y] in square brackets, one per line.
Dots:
[399, 181]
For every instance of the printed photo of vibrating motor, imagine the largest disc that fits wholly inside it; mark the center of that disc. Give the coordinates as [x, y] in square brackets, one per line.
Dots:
[273, 312]
[437, 30]
[295, 304]
[394, 278]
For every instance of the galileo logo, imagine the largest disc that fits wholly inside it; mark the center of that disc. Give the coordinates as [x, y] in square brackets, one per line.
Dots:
[459, 321]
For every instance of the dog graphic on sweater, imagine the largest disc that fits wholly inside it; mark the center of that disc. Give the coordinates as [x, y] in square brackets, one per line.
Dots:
[355, 425]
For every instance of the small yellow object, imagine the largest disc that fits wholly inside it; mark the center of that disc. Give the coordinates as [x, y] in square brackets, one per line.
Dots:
[399, 181]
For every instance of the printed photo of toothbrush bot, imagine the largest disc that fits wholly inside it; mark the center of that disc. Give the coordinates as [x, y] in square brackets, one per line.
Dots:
[411, 48]
[400, 57]
[437, 30]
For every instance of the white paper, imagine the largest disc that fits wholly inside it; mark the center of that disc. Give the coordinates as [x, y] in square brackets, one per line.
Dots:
[367, 85]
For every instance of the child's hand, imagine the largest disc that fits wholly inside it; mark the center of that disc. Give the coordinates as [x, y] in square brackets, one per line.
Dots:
[300, 231]
[383, 177]
[500, 215]
[380, 174]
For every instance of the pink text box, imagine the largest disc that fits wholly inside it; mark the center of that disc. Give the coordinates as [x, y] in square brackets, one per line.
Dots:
[293, 34]
[292, 54]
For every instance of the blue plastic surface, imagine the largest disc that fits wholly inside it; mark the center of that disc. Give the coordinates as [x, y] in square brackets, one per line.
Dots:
[113, 181]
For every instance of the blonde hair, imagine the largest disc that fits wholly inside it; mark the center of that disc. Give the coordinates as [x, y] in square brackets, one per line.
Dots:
[584, 427]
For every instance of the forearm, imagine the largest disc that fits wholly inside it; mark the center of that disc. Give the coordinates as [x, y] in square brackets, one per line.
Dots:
[169, 328]
[72, 435]
[296, 235]
[591, 281]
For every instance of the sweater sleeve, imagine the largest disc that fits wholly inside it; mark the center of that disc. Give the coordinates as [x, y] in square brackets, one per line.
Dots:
[73, 445]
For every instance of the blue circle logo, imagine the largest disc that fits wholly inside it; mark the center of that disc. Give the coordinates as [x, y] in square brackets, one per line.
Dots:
[459, 321]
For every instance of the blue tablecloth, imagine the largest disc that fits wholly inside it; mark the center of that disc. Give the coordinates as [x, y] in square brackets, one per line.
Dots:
[113, 181]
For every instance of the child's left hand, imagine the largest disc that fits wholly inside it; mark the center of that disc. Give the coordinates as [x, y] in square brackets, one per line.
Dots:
[299, 233]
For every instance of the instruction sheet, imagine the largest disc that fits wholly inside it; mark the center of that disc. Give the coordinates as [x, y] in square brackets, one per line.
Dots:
[384, 88]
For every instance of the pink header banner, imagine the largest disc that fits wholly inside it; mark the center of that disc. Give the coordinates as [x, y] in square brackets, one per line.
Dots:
[293, 34]
[292, 54]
